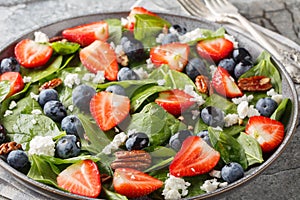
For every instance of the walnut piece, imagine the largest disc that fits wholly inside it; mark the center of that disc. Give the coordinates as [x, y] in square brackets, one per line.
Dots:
[51, 84]
[255, 83]
[7, 147]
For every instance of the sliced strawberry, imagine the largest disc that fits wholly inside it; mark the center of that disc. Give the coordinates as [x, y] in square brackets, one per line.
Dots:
[131, 18]
[109, 109]
[215, 49]
[224, 84]
[31, 54]
[87, 33]
[16, 82]
[133, 183]
[269, 133]
[81, 178]
[195, 157]
[99, 56]
[174, 54]
[174, 101]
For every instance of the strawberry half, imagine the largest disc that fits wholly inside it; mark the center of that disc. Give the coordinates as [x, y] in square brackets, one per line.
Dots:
[133, 183]
[174, 101]
[87, 33]
[109, 109]
[174, 54]
[194, 158]
[224, 84]
[131, 18]
[82, 178]
[215, 49]
[16, 82]
[31, 54]
[269, 133]
[99, 56]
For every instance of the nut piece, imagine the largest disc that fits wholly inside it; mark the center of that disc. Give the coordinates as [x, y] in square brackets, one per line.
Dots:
[255, 83]
[51, 84]
[136, 159]
[122, 58]
[202, 84]
[7, 147]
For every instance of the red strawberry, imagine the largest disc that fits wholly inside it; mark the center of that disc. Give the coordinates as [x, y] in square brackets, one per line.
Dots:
[215, 49]
[269, 133]
[174, 101]
[16, 82]
[224, 84]
[81, 178]
[31, 54]
[133, 12]
[174, 54]
[109, 109]
[133, 183]
[87, 33]
[194, 158]
[99, 56]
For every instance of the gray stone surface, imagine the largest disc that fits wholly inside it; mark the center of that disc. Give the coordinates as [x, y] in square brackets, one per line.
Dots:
[280, 181]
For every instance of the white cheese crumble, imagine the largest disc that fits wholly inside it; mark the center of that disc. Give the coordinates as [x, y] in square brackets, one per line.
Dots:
[12, 105]
[114, 145]
[160, 38]
[131, 131]
[27, 79]
[34, 96]
[231, 119]
[161, 82]
[99, 78]
[141, 73]
[36, 112]
[243, 98]
[88, 76]
[124, 21]
[274, 95]
[232, 39]
[195, 114]
[149, 63]
[40, 37]
[244, 110]
[71, 108]
[212, 69]
[212, 185]
[189, 89]
[215, 173]
[175, 188]
[7, 113]
[191, 36]
[42, 145]
[71, 79]
[33, 121]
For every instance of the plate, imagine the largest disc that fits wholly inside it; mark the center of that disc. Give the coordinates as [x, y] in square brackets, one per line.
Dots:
[192, 23]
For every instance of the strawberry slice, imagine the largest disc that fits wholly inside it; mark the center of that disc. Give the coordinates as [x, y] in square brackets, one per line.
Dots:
[269, 133]
[174, 54]
[194, 158]
[99, 56]
[131, 18]
[174, 101]
[215, 49]
[31, 54]
[16, 82]
[133, 183]
[87, 33]
[109, 109]
[82, 178]
[224, 84]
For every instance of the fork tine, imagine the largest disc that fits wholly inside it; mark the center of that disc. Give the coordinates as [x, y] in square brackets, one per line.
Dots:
[192, 7]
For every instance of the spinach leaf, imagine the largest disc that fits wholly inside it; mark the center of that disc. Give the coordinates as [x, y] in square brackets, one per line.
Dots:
[206, 34]
[196, 182]
[65, 48]
[113, 195]
[281, 109]
[26, 106]
[4, 89]
[115, 30]
[222, 103]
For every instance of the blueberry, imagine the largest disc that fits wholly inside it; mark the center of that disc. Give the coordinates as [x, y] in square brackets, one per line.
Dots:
[228, 64]
[241, 68]
[196, 67]
[82, 96]
[116, 89]
[179, 29]
[170, 38]
[9, 65]
[55, 110]
[232, 172]
[241, 54]
[177, 139]
[133, 48]
[137, 141]
[126, 73]
[72, 125]
[204, 135]
[2, 134]
[67, 146]
[266, 106]
[18, 159]
[47, 95]
[212, 116]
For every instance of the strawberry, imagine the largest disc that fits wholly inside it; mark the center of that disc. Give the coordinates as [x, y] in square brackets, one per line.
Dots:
[174, 101]
[109, 109]
[224, 84]
[31, 54]
[215, 49]
[16, 82]
[268, 132]
[174, 54]
[87, 33]
[82, 178]
[194, 158]
[131, 18]
[133, 183]
[99, 56]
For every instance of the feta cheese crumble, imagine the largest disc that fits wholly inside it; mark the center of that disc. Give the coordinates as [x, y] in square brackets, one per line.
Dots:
[27, 79]
[212, 184]
[212, 69]
[118, 140]
[231, 119]
[36, 112]
[34, 96]
[71, 79]
[99, 78]
[274, 95]
[244, 110]
[232, 39]
[189, 89]
[12, 105]
[243, 98]
[161, 82]
[7, 113]
[141, 73]
[191, 36]
[71, 108]
[42, 145]
[175, 188]
[40, 37]
[88, 76]
[149, 63]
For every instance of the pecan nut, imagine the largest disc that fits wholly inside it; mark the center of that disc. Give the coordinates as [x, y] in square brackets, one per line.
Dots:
[51, 84]
[136, 159]
[202, 84]
[7, 147]
[255, 83]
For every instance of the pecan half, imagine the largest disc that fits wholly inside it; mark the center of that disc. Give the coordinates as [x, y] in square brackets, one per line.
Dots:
[202, 84]
[255, 83]
[136, 159]
[7, 147]
[51, 84]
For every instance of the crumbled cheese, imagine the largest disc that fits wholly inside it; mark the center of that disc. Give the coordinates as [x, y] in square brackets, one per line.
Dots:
[175, 188]
[212, 69]
[274, 95]
[215, 173]
[195, 114]
[34, 96]
[243, 98]
[271, 92]
[160, 38]
[232, 39]
[231, 119]
[189, 89]
[141, 73]
[71, 108]
[99, 78]
[12, 105]
[36, 112]
[7, 113]
[161, 82]
[33, 121]
[27, 79]
[88, 76]
[244, 110]
[71, 79]
[42, 145]
[118, 140]
[252, 111]
[40, 37]
[131, 131]
[150, 65]
[191, 36]
[124, 21]
[212, 185]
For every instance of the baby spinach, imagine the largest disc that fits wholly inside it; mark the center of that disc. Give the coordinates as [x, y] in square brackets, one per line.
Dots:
[218, 101]
[4, 89]
[113, 195]
[206, 34]
[281, 109]
[65, 48]
[115, 30]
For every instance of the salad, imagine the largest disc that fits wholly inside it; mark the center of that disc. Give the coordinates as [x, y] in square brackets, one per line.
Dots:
[138, 107]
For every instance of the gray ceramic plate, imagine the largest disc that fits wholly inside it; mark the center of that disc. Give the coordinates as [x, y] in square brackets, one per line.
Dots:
[192, 23]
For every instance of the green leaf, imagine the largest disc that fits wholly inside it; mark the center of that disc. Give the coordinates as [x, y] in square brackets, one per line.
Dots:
[4, 89]
[196, 182]
[65, 48]
[222, 103]
[206, 34]
[281, 109]
[115, 30]
[26, 106]
[113, 195]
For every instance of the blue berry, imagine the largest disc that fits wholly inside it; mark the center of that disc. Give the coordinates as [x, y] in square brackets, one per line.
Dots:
[18, 159]
[169, 38]
[55, 110]
[126, 73]
[133, 48]
[212, 116]
[204, 135]
[179, 29]
[72, 125]
[241, 55]
[2, 134]
[241, 68]
[9, 65]
[116, 89]
[232, 172]
[228, 64]
[137, 141]
[196, 67]
[266, 106]
[67, 146]
[47, 95]
[82, 96]
[177, 139]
